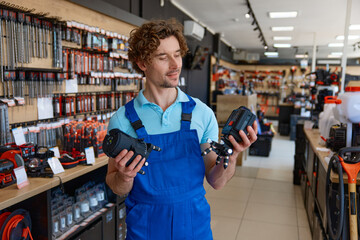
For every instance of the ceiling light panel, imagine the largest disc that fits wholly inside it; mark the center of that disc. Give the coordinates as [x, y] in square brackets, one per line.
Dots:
[271, 54]
[335, 44]
[354, 27]
[301, 56]
[282, 38]
[282, 29]
[350, 37]
[292, 14]
[282, 45]
[334, 56]
[336, 53]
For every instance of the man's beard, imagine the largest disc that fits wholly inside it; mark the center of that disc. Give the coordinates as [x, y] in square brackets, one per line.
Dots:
[168, 84]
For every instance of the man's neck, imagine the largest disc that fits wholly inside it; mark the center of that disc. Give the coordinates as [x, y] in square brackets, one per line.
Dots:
[163, 97]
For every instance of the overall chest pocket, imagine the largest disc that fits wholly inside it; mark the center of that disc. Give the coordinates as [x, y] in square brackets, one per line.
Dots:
[176, 167]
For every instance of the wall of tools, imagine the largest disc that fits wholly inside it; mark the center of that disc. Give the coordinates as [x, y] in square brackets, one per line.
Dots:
[64, 70]
[46, 54]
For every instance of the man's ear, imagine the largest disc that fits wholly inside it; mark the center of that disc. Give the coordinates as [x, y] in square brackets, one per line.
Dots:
[141, 65]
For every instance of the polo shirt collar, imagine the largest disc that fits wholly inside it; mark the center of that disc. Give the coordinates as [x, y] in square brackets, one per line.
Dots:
[181, 97]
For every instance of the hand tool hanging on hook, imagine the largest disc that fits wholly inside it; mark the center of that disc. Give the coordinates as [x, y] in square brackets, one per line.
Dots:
[21, 35]
[2, 53]
[26, 32]
[12, 20]
[7, 36]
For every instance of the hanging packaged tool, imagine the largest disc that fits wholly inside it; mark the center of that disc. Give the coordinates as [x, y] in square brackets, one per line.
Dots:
[4, 125]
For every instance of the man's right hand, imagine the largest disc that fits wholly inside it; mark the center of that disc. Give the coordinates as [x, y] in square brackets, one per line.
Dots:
[128, 173]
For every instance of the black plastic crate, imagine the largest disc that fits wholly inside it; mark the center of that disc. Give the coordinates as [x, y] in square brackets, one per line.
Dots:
[300, 146]
[298, 161]
[300, 134]
[284, 129]
[262, 146]
[297, 176]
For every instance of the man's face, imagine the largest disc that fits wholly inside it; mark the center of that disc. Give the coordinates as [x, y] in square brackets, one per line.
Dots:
[165, 66]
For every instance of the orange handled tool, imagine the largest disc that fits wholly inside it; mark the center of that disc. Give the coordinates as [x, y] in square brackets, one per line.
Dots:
[352, 168]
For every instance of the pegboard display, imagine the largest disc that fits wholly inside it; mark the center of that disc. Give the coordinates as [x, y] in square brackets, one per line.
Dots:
[60, 50]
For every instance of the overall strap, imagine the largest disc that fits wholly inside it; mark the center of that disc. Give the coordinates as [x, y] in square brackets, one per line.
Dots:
[187, 108]
[134, 119]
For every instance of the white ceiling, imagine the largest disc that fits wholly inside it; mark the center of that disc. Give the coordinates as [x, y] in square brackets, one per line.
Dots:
[322, 19]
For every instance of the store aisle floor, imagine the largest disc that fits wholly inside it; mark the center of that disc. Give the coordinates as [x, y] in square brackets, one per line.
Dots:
[260, 201]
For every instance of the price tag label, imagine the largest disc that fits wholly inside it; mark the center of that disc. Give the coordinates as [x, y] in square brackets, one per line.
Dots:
[308, 125]
[55, 165]
[56, 151]
[71, 86]
[90, 155]
[19, 136]
[21, 177]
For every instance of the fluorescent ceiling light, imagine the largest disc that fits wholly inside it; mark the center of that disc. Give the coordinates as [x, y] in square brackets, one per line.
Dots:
[336, 53]
[333, 56]
[283, 29]
[271, 54]
[282, 38]
[283, 14]
[350, 37]
[335, 45]
[282, 45]
[328, 61]
[301, 56]
[354, 27]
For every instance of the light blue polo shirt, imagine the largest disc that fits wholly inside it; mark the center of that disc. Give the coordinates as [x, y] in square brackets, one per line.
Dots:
[157, 121]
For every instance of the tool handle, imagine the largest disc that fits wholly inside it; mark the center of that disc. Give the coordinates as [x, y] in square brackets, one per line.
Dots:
[344, 150]
[353, 212]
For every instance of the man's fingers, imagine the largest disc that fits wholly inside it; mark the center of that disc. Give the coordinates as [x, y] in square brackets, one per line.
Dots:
[252, 134]
[140, 165]
[135, 163]
[255, 127]
[122, 161]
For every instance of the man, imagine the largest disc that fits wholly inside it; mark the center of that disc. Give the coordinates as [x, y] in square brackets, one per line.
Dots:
[168, 201]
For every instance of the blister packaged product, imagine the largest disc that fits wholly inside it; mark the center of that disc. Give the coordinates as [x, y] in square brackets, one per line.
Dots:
[63, 225]
[101, 194]
[77, 213]
[55, 222]
[84, 205]
[69, 216]
[93, 202]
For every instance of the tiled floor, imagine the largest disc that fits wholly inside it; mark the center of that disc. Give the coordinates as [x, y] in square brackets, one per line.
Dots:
[260, 201]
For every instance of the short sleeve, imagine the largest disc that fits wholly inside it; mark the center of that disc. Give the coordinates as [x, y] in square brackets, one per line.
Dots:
[211, 128]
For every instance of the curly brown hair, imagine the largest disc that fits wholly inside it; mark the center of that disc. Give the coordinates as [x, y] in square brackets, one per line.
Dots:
[144, 40]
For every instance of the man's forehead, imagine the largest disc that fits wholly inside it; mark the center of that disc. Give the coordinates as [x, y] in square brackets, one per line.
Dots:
[169, 44]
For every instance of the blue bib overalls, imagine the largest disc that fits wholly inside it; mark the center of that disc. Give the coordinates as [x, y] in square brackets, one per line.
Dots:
[168, 202]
